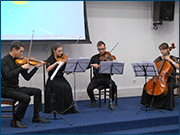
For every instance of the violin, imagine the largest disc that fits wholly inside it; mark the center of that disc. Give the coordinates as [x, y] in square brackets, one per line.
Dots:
[158, 86]
[63, 57]
[32, 61]
[107, 57]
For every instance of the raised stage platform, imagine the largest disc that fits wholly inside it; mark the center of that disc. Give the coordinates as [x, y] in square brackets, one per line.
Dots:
[102, 120]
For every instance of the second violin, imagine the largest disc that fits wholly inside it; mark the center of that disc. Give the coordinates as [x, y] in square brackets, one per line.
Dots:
[107, 57]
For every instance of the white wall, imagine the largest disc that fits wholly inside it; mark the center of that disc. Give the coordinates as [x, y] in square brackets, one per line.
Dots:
[126, 22]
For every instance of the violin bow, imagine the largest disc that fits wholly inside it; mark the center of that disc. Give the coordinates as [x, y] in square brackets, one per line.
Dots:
[111, 50]
[73, 47]
[114, 47]
[61, 63]
[30, 47]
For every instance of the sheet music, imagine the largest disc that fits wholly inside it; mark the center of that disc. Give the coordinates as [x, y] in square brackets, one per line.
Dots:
[70, 65]
[117, 68]
[72, 60]
[147, 61]
[82, 64]
[77, 65]
[111, 67]
[150, 67]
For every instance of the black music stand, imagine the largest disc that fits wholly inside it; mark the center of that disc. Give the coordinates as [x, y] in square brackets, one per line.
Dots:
[111, 67]
[54, 112]
[146, 69]
[76, 65]
[53, 102]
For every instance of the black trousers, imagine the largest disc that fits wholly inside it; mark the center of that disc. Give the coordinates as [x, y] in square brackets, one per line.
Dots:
[22, 94]
[95, 83]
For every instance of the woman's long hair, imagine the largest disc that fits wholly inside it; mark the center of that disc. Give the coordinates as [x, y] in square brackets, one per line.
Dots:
[54, 47]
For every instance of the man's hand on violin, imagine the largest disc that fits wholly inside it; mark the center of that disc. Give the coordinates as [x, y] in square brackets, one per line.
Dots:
[25, 66]
[40, 64]
[95, 65]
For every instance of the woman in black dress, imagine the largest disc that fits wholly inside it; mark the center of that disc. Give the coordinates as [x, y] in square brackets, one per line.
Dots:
[58, 93]
[166, 102]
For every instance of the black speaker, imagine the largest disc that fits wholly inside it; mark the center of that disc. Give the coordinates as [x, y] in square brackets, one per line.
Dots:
[163, 11]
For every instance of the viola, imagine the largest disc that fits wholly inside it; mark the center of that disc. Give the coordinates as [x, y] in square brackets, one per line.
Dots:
[107, 57]
[158, 86]
[32, 61]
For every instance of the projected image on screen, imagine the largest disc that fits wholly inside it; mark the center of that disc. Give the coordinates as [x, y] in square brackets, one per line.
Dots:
[50, 20]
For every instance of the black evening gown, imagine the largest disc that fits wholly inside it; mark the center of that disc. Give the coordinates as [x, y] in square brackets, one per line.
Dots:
[167, 102]
[58, 92]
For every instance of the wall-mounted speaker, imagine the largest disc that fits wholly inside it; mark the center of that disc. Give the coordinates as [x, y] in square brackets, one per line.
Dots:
[163, 10]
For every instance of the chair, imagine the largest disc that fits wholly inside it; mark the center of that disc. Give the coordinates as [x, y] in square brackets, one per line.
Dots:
[11, 102]
[176, 86]
[177, 83]
[44, 79]
[102, 90]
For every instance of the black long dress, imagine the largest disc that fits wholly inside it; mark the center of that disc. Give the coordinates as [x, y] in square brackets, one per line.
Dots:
[58, 92]
[167, 102]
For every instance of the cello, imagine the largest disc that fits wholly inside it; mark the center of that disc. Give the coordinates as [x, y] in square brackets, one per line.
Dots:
[158, 86]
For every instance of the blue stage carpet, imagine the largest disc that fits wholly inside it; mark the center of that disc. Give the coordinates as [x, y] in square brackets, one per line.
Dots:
[102, 120]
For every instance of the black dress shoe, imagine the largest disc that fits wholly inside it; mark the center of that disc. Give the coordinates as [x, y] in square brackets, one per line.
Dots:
[111, 107]
[39, 119]
[93, 103]
[18, 124]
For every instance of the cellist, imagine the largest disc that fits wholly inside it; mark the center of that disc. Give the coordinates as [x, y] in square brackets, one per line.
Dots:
[166, 102]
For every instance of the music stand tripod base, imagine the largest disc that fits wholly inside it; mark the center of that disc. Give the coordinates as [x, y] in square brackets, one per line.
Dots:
[54, 112]
[73, 66]
[74, 103]
[150, 109]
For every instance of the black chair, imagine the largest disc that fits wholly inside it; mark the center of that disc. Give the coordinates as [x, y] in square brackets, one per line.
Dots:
[44, 79]
[102, 91]
[176, 86]
[7, 101]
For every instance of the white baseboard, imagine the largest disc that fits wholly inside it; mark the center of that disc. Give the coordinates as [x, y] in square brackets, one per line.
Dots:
[122, 92]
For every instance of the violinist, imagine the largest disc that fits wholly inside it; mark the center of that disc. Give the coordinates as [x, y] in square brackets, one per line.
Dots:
[167, 101]
[58, 93]
[10, 84]
[100, 79]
